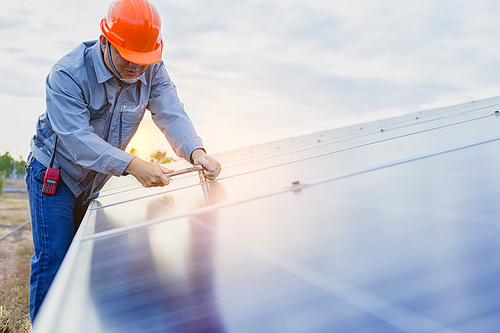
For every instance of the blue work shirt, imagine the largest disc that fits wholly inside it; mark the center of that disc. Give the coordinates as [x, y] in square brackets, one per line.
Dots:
[95, 117]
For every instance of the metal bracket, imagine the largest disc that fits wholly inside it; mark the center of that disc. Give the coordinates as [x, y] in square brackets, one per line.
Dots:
[194, 168]
[297, 186]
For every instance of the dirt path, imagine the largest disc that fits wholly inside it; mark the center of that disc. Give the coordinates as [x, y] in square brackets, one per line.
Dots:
[15, 253]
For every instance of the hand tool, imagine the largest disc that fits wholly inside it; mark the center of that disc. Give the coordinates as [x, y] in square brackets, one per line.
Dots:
[194, 168]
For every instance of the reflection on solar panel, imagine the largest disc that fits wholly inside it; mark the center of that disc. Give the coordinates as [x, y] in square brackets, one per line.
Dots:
[390, 226]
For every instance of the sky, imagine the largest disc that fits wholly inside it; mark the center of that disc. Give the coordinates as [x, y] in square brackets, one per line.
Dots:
[251, 71]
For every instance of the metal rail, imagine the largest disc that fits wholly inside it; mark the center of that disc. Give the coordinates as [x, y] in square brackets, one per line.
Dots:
[13, 231]
[194, 168]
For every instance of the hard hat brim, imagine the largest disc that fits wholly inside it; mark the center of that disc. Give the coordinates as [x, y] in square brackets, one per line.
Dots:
[140, 58]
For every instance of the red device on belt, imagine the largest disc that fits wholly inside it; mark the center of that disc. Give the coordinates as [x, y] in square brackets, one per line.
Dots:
[51, 178]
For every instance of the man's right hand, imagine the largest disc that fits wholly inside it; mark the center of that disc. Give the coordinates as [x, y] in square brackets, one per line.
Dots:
[147, 173]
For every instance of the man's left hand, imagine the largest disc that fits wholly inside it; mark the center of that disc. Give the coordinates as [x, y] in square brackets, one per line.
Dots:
[211, 167]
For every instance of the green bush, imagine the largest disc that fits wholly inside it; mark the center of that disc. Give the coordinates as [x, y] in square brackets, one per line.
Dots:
[11, 166]
[1, 184]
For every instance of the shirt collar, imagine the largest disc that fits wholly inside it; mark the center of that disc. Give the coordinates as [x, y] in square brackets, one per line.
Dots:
[102, 71]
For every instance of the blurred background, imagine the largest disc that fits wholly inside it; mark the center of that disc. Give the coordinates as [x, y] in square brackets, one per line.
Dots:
[255, 71]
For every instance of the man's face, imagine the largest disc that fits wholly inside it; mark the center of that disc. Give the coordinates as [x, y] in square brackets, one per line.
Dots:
[126, 69]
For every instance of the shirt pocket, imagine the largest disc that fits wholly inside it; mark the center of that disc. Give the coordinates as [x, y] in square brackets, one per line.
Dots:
[132, 114]
[130, 118]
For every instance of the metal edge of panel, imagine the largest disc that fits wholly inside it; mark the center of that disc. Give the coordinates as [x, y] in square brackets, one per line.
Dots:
[50, 312]
[49, 318]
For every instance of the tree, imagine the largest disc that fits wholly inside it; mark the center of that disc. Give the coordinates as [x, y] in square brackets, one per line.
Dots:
[10, 166]
[7, 163]
[134, 152]
[21, 166]
[160, 156]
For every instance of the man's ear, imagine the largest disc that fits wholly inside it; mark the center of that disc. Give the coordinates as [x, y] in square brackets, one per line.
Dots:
[102, 39]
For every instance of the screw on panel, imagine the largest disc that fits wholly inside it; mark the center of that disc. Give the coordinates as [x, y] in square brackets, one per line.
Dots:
[297, 186]
[497, 113]
[381, 130]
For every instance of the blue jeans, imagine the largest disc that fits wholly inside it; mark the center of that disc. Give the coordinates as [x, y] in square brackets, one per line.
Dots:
[54, 221]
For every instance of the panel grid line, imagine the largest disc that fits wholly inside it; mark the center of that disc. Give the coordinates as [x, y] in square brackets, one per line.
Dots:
[145, 224]
[294, 161]
[392, 314]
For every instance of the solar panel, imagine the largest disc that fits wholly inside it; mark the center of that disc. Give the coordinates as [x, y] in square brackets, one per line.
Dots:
[388, 226]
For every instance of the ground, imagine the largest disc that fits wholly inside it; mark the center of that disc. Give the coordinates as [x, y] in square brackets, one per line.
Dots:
[15, 253]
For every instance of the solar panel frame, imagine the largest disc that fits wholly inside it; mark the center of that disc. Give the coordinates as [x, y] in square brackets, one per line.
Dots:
[389, 226]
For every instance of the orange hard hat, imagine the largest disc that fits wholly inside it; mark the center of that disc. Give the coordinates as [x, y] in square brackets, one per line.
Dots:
[134, 28]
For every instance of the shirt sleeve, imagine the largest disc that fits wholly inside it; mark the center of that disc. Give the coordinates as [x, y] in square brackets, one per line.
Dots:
[169, 115]
[70, 119]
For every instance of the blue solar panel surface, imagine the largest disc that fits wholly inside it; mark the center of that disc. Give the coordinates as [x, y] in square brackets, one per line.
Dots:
[389, 226]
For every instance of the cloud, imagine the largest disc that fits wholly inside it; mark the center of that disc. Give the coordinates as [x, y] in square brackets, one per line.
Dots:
[9, 23]
[10, 50]
[16, 83]
[35, 60]
[280, 68]
[287, 67]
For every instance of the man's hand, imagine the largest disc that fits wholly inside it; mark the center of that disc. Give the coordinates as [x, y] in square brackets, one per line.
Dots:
[211, 167]
[147, 173]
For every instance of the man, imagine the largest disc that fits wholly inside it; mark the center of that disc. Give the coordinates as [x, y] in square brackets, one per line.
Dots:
[96, 97]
